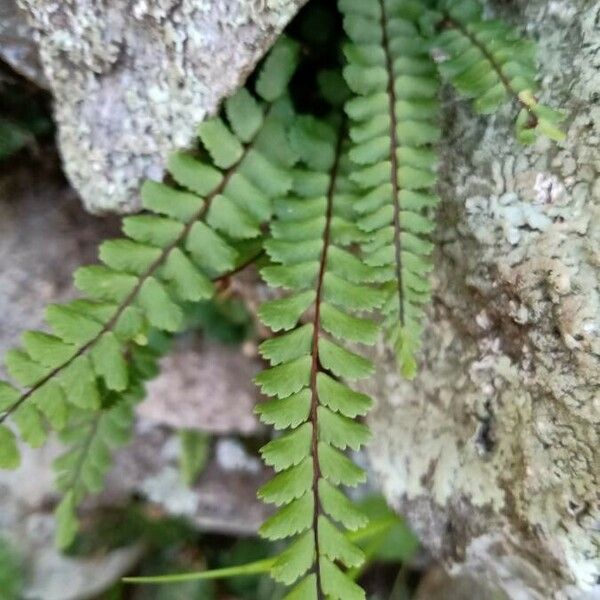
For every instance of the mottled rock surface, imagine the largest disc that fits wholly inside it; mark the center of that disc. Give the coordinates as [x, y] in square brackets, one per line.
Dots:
[494, 450]
[132, 79]
[195, 373]
[17, 46]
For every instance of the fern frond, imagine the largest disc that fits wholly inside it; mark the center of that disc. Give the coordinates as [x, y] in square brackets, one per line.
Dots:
[91, 437]
[190, 235]
[489, 62]
[394, 114]
[308, 247]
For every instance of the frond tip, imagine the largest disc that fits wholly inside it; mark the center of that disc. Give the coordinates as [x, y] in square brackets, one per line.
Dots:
[489, 62]
[394, 126]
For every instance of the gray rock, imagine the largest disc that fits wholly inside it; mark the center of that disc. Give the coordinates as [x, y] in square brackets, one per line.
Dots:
[493, 451]
[44, 236]
[17, 44]
[196, 379]
[131, 80]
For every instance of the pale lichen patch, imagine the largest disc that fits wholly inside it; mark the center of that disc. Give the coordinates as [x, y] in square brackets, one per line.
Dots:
[494, 450]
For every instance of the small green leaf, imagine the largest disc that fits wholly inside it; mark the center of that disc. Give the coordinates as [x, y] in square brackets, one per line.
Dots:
[193, 174]
[149, 231]
[295, 560]
[336, 546]
[9, 395]
[348, 327]
[160, 309]
[244, 114]
[224, 148]
[188, 281]
[78, 381]
[297, 277]
[284, 413]
[30, 424]
[209, 250]
[285, 379]
[226, 216]
[284, 314]
[342, 362]
[195, 448]
[350, 295]
[288, 450]
[128, 256]
[47, 350]
[22, 369]
[51, 402]
[339, 508]
[340, 398]
[67, 524]
[290, 520]
[109, 363]
[337, 468]
[289, 346]
[102, 283]
[305, 590]
[337, 585]
[129, 324]
[278, 69]
[340, 431]
[10, 457]
[163, 199]
[289, 484]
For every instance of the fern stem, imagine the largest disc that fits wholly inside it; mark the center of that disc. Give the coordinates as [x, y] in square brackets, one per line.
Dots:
[258, 567]
[394, 145]
[316, 364]
[496, 66]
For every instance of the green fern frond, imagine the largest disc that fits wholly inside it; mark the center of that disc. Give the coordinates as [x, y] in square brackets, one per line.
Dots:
[489, 62]
[92, 436]
[311, 234]
[190, 235]
[394, 114]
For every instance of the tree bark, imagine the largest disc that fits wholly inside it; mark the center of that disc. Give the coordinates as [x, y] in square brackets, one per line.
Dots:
[493, 451]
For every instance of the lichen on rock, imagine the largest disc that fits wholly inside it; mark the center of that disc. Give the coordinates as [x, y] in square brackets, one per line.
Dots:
[132, 79]
[494, 450]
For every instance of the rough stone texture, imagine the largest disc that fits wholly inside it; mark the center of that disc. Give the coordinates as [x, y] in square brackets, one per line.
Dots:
[44, 236]
[196, 372]
[17, 46]
[132, 78]
[494, 450]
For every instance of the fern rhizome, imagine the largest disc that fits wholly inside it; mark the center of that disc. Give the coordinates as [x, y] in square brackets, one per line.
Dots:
[337, 204]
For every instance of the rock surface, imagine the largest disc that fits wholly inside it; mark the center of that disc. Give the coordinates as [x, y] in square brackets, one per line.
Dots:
[196, 377]
[17, 46]
[494, 450]
[131, 80]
